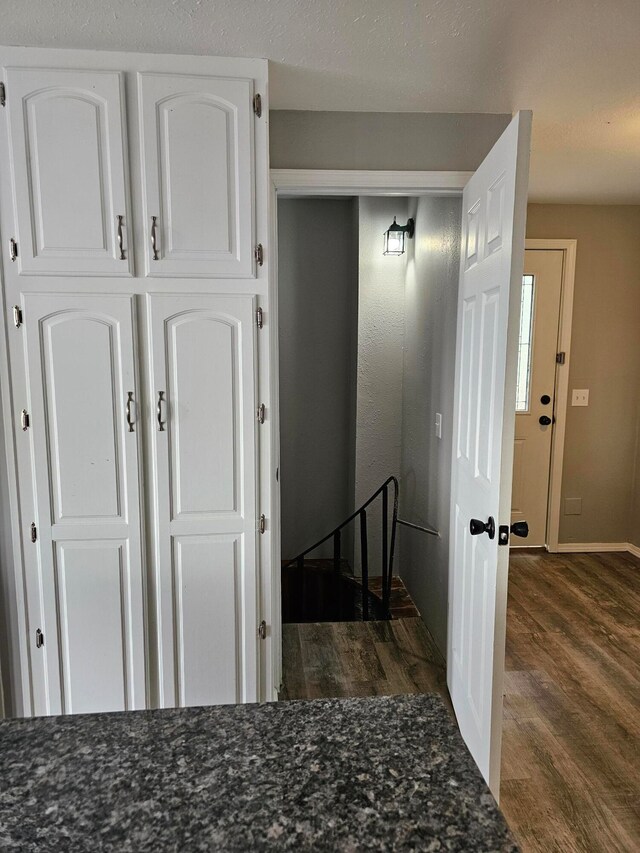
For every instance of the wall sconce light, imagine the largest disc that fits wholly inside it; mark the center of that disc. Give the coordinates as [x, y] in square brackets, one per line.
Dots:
[395, 235]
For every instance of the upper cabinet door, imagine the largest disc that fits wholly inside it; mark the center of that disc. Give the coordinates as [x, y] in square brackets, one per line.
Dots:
[67, 141]
[197, 165]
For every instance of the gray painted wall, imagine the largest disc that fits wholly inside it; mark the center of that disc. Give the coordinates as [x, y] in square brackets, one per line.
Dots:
[380, 343]
[301, 139]
[318, 306]
[430, 307]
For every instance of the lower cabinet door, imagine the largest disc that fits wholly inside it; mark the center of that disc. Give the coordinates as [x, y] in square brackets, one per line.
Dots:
[87, 626]
[204, 446]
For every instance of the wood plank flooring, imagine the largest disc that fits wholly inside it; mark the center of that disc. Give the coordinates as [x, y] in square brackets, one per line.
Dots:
[327, 659]
[571, 736]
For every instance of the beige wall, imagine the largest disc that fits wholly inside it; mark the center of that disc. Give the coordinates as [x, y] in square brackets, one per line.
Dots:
[304, 139]
[601, 463]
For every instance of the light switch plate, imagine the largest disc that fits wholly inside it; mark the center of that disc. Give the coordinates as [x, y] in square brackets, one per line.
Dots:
[580, 397]
[438, 425]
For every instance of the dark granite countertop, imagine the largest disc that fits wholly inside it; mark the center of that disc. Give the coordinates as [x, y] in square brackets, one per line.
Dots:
[386, 773]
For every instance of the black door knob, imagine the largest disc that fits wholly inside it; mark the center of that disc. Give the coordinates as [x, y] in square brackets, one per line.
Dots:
[520, 528]
[545, 420]
[476, 527]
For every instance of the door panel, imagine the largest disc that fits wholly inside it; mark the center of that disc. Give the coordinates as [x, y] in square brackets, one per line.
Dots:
[205, 483]
[494, 211]
[198, 178]
[538, 346]
[208, 605]
[92, 585]
[205, 496]
[80, 369]
[67, 140]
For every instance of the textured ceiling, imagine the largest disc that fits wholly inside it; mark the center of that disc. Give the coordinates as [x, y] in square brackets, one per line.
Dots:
[576, 63]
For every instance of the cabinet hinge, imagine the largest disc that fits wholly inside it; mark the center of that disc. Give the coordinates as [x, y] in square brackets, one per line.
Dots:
[257, 105]
[258, 254]
[13, 249]
[34, 532]
[262, 526]
[262, 630]
[260, 413]
[39, 639]
[25, 420]
[17, 316]
[259, 318]
[561, 357]
[3, 95]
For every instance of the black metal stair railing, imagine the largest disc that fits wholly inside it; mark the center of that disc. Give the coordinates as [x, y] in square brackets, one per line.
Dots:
[388, 545]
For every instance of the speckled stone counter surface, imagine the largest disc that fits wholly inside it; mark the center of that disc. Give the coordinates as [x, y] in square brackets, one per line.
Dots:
[386, 773]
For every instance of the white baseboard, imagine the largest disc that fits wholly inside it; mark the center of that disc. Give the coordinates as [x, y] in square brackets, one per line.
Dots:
[596, 547]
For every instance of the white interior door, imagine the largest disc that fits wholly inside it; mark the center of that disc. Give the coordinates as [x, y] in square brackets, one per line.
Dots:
[67, 141]
[493, 233]
[84, 445]
[535, 396]
[197, 155]
[205, 448]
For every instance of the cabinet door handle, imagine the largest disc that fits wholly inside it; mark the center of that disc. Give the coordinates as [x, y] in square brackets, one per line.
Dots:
[154, 243]
[120, 244]
[130, 420]
[161, 400]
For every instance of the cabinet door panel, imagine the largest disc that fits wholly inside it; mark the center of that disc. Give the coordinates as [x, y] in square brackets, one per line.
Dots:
[198, 174]
[80, 369]
[205, 497]
[67, 139]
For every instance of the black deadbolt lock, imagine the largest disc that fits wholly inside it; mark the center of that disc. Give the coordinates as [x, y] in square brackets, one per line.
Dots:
[545, 399]
[544, 420]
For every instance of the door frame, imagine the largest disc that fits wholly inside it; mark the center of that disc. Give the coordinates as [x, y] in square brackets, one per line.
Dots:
[324, 182]
[569, 249]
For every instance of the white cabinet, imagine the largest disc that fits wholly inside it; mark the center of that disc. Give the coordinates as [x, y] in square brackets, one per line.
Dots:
[197, 144]
[204, 450]
[87, 522]
[67, 147]
[143, 575]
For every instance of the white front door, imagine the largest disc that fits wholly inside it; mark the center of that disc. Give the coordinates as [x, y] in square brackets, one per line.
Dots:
[197, 158]
[67, 140]
[86, 536]
[492, 251]
[204, 437]
[535, 395]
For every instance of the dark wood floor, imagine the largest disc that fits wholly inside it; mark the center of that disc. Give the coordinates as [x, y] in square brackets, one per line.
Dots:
[328, 659]
[571, 737]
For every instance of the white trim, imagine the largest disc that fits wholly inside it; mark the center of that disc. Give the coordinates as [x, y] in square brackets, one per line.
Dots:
[569, 248]
[633, 549]
[593, 547]
[354, 182]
